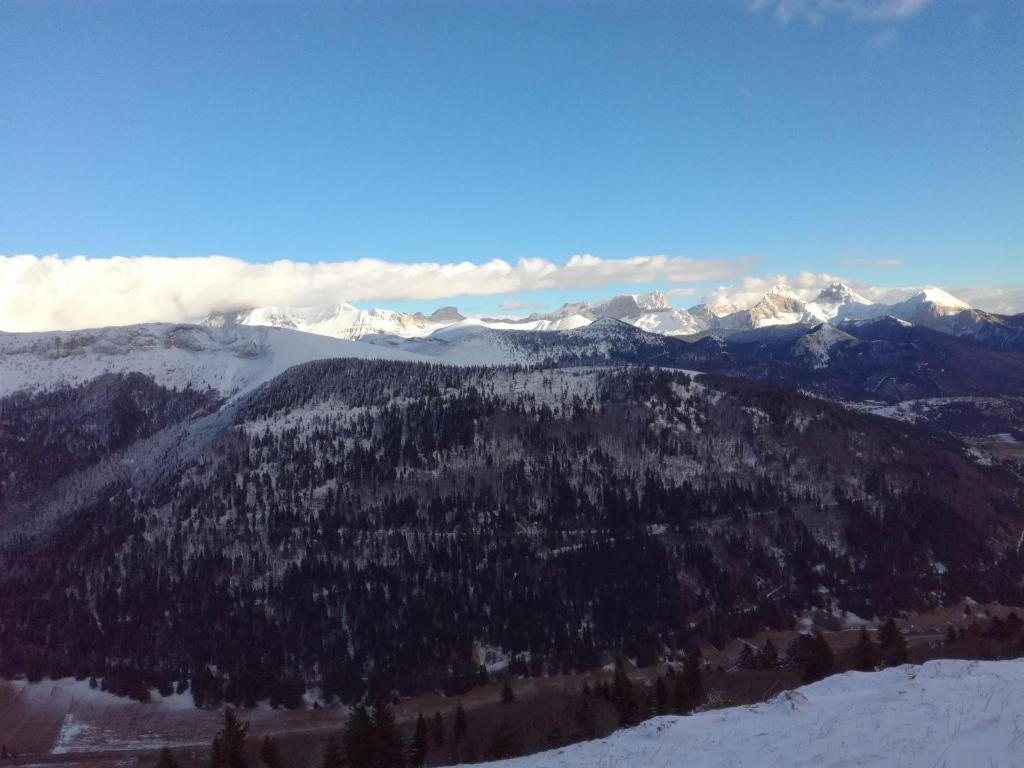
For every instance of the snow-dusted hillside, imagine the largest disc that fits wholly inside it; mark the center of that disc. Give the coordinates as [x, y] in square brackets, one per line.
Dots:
[941, 714]
[231, 359]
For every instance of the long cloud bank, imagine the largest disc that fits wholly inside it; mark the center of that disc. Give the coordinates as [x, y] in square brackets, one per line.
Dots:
[49, 292]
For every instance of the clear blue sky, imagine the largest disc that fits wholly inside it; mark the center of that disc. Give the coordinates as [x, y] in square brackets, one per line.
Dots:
[477, 130]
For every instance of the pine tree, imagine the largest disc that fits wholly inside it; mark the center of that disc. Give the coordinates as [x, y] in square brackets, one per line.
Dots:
[358, 736]
[892, 645]
[217, 756]
[814, 657]
[389, 748]
[270, 755]
[865, 654]
[438, 729]
[507, 694]
[690, 684]
[420, 743]
[504, 743]
[232, 740]
[661, 696]
[622, 695]
[768, 657]
[167, 760]
[333, 757]
[585, 718]
[461, 724]
[746, 659]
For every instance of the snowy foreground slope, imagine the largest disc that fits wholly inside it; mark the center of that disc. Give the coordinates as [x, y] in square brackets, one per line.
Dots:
[944, 713]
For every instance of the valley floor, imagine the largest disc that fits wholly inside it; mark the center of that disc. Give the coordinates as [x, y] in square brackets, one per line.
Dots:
[946, 712]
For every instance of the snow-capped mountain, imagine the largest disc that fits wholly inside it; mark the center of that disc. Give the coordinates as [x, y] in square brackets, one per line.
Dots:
[780, 306]
[838, 298]
[783, 306]
[650, 311]
[341, 321]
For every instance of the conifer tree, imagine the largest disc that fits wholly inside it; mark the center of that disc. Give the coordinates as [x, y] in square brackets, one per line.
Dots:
[504, 743]
[358, 737]
[865, 653]
[690, 684]
[438, 729]
[461, 724]
[333, 757]
[746, 659]
[660, 696]
[585, 718]
[892, 645]
[768, 657]
[420, 743]
[389, 748]
[622, 695]
[217, 757]
[814, 657]
[167, 760]
[232, 736]
[270, 755]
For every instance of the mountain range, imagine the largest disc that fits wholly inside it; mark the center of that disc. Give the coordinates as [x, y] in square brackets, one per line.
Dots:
[836, 304]
[246, 506]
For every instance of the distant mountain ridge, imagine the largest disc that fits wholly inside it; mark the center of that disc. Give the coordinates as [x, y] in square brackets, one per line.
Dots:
[835, 304]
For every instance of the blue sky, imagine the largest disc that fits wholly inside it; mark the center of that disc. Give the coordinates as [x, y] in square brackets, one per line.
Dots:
[881, 141]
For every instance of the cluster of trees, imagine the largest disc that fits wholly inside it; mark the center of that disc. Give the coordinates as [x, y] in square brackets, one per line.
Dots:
[363, 524]
[889, 649]
[370, 738]
[674, 693]
[47, 436]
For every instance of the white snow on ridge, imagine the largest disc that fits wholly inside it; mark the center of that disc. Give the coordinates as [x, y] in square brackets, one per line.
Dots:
[816, 346]
[230, 360]
[943, 713]
[940, 298]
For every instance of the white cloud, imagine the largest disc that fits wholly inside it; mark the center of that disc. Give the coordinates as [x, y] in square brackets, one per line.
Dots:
[49, 292]
[1007, 300]
[816, 11]
[749, 290]
[883, 39]
[688, 291]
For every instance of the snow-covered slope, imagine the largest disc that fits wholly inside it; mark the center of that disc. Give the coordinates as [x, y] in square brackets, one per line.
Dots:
[231, 359]
[815, 347]
[943, 713]
[779, 306]
[837, 298]
[340, 321]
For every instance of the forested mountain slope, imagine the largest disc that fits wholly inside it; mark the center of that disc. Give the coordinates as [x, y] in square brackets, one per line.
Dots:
[357, 523]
